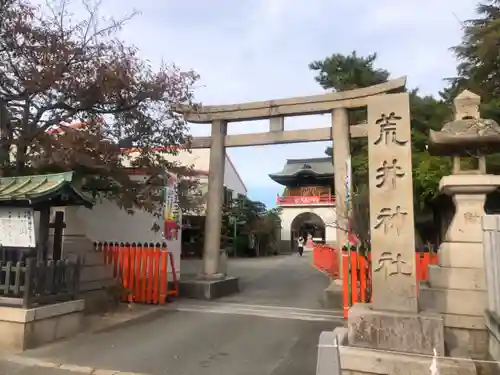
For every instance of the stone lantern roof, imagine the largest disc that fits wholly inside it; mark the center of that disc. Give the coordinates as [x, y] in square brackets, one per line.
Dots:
[468, 133]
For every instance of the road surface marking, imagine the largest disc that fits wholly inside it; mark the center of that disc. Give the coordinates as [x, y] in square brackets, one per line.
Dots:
[35, 362]
[255, 306]
[263, 311]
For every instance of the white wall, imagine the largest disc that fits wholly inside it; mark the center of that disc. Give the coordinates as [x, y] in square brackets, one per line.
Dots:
[327, 214]
[106, 222]
[232, 179]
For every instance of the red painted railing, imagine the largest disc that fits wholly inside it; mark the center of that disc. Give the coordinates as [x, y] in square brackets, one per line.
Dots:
[142, 270]
[295, 199]
[357, 270]
[326, 259]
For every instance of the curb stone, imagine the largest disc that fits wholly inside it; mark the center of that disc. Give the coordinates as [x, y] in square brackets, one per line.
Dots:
[34, 362]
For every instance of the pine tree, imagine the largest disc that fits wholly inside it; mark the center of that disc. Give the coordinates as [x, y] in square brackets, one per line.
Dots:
[339, 72]
[479, 65]
[479, 59]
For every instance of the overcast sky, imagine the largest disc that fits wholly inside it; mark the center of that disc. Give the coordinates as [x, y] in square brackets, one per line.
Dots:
[247, 50]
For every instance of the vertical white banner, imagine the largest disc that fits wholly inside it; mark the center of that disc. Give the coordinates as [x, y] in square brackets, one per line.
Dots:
[348, 178]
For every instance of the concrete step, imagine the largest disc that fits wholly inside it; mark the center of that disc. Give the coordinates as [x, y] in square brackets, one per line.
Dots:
[453, 301]
[333, 297]
[468, 322]
[461, 255]
[457, 278]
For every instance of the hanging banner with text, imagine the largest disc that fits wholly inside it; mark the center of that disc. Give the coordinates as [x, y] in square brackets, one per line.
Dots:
[171, 208]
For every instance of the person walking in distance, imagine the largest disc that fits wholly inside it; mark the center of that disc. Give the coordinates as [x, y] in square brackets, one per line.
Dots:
[300, 245]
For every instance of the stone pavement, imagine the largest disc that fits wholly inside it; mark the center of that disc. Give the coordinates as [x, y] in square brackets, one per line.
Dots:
[271, 328]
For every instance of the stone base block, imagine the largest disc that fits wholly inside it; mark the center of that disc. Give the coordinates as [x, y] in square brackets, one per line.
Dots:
[464, 321]
[101, 301]
[387, 330]
[455, 301]
[333, 297]
[473, 342]
[28, 328]
[208, 289]
[494, 349]
[493, 325]
[364, 361]
[461, 255]
[457, 278]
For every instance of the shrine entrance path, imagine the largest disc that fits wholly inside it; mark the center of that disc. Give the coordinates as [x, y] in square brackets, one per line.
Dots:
[271, 328]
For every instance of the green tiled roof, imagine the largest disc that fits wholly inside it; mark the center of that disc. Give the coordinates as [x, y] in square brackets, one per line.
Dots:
[39, 188]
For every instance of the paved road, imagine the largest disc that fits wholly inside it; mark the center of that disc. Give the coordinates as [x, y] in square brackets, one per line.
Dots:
[270, 328]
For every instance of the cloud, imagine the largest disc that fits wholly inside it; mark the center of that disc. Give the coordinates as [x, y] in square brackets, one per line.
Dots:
[251, 50]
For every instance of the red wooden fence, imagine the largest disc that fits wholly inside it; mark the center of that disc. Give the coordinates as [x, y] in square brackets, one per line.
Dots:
[358, 286]
[143, 271]
[326, 259]
[357, 283]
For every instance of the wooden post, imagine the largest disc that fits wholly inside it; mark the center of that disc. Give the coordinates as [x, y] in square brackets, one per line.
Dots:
[58, 225]
[29, 273]
[76, 280]
[43, 232]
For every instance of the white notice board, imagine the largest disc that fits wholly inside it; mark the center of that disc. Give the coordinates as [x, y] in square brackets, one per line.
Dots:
[17, 227]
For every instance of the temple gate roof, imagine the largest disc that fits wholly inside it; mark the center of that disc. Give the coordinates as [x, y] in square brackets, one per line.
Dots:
[300, 168]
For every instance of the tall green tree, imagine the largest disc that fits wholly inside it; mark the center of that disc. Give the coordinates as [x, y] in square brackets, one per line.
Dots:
[479, 65]
[479, 61]
[250, 217]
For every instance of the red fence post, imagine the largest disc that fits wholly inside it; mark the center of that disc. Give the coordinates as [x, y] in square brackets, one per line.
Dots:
[354, 277]
[116, 258]
[345, 283]
[370, 281]
[156, 280]
[131, 279]
[124, 250]
[149, 297]
[144, 274]
[363, 277]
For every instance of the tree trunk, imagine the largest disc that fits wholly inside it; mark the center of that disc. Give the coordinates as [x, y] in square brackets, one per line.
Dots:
[21, 159]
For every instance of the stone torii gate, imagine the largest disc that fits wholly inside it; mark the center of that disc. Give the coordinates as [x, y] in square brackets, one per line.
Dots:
[336, 103]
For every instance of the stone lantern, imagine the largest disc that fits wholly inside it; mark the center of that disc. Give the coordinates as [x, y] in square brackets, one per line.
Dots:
[460, 274]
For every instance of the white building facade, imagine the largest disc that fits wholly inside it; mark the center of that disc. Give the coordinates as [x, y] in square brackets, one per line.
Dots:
[106, 222]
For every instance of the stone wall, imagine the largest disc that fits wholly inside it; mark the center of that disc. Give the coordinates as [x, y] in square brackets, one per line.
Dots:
[28, 328]
[491, 240]
[96, 278]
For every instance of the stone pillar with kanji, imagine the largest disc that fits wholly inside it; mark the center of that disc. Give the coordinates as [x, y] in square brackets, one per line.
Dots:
[393, 320]
[393, 335]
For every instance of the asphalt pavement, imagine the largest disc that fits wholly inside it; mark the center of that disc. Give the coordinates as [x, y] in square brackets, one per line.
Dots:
[270, 328]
